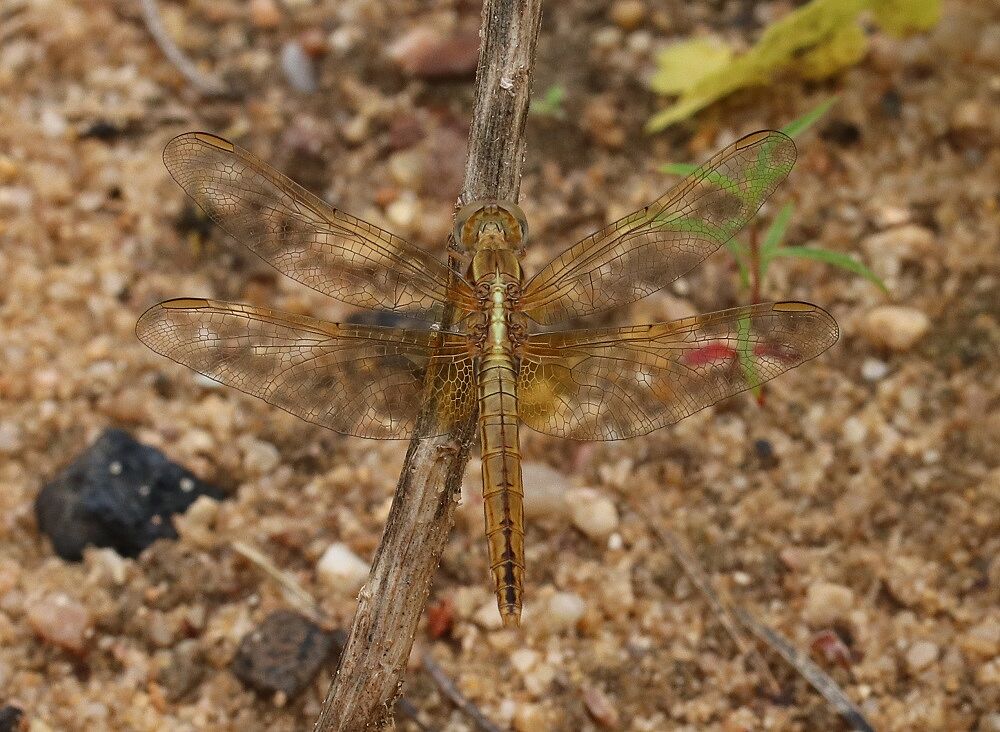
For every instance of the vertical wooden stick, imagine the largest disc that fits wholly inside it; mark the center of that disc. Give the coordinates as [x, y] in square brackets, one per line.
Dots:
[368, 680]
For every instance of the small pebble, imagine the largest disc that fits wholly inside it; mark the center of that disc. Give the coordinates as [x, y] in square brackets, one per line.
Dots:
[628, 14]
[524, 659]
[260, 457]
[564, 610]
[600, 708]
[283, 654]
[593, 513]
[826, 603]
[60, 621]
[298, 67]
[10, 718]
[10, 438]
[404, 211]
[184, 669]
[894, 326]
[545, 490]
[341, 569]
[488, 617]
[921, 655]
[265, 14]
[426, 53]
[873, 369]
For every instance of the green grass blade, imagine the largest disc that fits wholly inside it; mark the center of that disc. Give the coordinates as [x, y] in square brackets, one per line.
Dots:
[775, 233]
[803, 123]
[837, 259]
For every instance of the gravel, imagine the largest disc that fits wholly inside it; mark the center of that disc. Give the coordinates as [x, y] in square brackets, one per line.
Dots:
[887, 482]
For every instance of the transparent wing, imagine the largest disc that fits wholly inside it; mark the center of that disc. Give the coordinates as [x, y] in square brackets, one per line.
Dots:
[306, 239]
[646, 250]
[614, 383]
[359, 380]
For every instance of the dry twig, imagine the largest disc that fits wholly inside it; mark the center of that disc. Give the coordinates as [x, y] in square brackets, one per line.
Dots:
[733, 618]
[696, 573]
[391, 603]
[817, 677]
[207, 84]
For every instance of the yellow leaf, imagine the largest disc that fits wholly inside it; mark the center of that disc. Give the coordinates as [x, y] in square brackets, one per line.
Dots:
[900, 17]
[845, 48]
[682, 65]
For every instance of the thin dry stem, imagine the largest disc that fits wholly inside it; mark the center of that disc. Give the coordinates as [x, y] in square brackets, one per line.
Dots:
[205, 83]
[391, 603]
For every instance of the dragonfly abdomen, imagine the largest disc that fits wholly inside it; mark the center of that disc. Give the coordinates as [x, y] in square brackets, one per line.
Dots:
[503, 494]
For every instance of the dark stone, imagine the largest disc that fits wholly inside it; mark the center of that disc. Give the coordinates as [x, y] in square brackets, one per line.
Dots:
[283, 654]
[185, 670]
[10, 718]
[764, 451]
[841, 133]
[892, 104]
[118, 493]
[101, 130]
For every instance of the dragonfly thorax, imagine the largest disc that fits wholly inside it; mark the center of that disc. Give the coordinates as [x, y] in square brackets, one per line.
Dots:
[491, 225]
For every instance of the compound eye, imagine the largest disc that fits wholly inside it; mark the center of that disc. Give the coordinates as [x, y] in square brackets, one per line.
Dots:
[466, 223]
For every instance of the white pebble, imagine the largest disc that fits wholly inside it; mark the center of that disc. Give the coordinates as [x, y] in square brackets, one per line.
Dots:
[260, 457]
[826, 603]
[564, 610]
[855, 431]
[341, 569]
[921, 655]
[488, 617]
[403, 212]
[593, 513]
[544, 491]
[524, 659]
[894, 326]
[10, 438]
[61, 621]
[298, 67]
[873, 369]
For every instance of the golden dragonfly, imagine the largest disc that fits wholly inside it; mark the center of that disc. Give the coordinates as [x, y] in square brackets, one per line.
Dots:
[371, 381]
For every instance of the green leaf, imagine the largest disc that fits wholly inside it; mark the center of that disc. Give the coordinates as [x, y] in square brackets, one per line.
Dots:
[682, 65]
[774, 235]
[803, 123]
[901, 17]
[837, 259]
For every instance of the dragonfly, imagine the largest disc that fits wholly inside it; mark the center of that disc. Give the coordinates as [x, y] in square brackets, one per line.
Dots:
[373, 381]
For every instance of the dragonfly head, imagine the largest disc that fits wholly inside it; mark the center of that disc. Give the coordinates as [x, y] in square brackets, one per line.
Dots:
[491, 225]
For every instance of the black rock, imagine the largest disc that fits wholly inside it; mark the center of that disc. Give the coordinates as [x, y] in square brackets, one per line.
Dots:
[766, 456]
[283, 654]
[10, 718]
[118, 493]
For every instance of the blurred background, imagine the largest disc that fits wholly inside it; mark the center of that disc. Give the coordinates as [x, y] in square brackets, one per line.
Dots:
[853, 505]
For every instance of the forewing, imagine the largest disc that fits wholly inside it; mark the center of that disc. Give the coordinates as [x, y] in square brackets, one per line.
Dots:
[367, 381]
[303, 237]
[614, 383]
[646, 250]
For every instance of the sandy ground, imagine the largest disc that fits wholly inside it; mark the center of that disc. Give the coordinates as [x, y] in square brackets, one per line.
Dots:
[876, 518]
